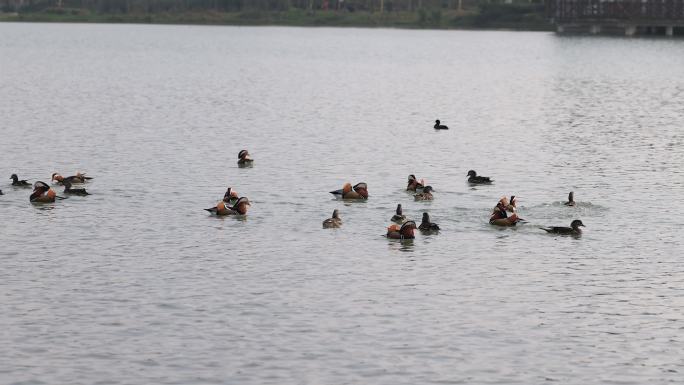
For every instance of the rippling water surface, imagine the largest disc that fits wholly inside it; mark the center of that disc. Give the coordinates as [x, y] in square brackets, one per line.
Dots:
[136, 284]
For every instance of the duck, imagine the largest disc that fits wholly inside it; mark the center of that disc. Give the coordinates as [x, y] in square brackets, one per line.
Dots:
[333, 222]
[230, 197]
[73, 191]
[439, 126]
[500, 217]
[426, 195]
[17, 182]
[399, 217]
[74, 179]
[571, 200]
[574, 228]
[42, 193]
[404, 231]
[413, 184]
[239, 208]
[358, 192]
[426, 225]
[244, 159]
[475, 179]
[2, 193]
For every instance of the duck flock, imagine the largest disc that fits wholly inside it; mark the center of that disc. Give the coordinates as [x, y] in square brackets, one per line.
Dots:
[504, 212]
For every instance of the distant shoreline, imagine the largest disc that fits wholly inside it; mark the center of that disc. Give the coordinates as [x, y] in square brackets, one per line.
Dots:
[467, 20]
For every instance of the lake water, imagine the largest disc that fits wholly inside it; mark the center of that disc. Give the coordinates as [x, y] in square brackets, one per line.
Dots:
[137, 284]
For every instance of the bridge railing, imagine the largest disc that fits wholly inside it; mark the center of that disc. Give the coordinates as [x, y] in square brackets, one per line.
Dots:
[616, 10]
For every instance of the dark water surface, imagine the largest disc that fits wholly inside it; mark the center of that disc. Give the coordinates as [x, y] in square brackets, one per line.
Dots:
[136, 284]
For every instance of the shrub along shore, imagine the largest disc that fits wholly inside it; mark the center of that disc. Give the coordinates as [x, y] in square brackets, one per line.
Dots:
[483, 16]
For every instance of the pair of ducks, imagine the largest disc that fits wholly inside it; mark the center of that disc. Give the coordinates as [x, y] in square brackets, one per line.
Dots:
[42, 193]
[357, 192]
[230, 204]
[423, 193]
[407, 226]
[244, 159]
[500, 217]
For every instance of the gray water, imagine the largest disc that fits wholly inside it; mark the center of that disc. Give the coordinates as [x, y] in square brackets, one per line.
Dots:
[137, 284]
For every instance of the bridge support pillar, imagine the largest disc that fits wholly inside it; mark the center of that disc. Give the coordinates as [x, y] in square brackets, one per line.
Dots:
[630, 30]
[560, 28]
[669, 31]
[594, 29]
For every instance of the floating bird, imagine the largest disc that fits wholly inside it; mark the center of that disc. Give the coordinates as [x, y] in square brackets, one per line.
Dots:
[426, 225]
[17, 182]
[244, 159]
[399, 217]
[403, 232]
[74, 179]
[426, 195]
[571, 200]
[73, 191]
[334, 222]
[440, 126]
[413, 184]
[499, 216]
[1, 193]
[239, 208]
[574, 228]
[475, 179]
[42, 193]
[358, 192]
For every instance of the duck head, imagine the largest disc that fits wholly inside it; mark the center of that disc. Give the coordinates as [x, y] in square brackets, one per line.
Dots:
[437, 122]
[411, 178]
[407, 229]
[362, 189]
[512, 201]
[426, 218]
[244, 155]
[399, 212]
[472, 173]
[428, 189]
[14, 178]
[576, 224]
[56, 177]
[346, 188]
[336, 214]
[571, 197]
[230, 194]
[241, 205]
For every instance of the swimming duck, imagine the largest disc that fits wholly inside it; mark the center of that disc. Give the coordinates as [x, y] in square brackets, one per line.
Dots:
[399, 217]
[74, 179]
[426, 225]
[440, 126]
[413, 184]
[574, 228]
[244, 159]
[334, 222]
[17, 182]
[426, 195]
[230, 197]
[42, 193]
[73, 191]
[499, 216]
[404, 231]
[475, 179]
[239, 208]
[358, 192]
[1, 193]
[571, 200]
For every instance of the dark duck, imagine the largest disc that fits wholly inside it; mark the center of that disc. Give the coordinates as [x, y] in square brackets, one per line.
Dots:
[476, 179]
[426, 195]
[399, 217]
[17, 182]
[244, 159]
[79, 178]
[333, 222]
[413, 184]
[42, 193]
[426, 225]
[73, 191]
[358, 192]
[239, 208]
[439, 126]
[574, 229]
[405, 231]
[571, 199]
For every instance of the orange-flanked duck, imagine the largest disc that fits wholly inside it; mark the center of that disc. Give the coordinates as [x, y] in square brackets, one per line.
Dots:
[42, 193]
[334, 222]
[245, 159]
[358, 192]
[426, 195]
[17, 182]
[414, 184]
[500, 216]
[404, 231]
[239, 208]
[74, 179]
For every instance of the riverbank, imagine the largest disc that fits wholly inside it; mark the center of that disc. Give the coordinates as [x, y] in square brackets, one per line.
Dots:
[487, 16]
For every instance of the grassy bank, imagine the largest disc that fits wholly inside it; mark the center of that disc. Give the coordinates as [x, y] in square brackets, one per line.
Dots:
[486, 16]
